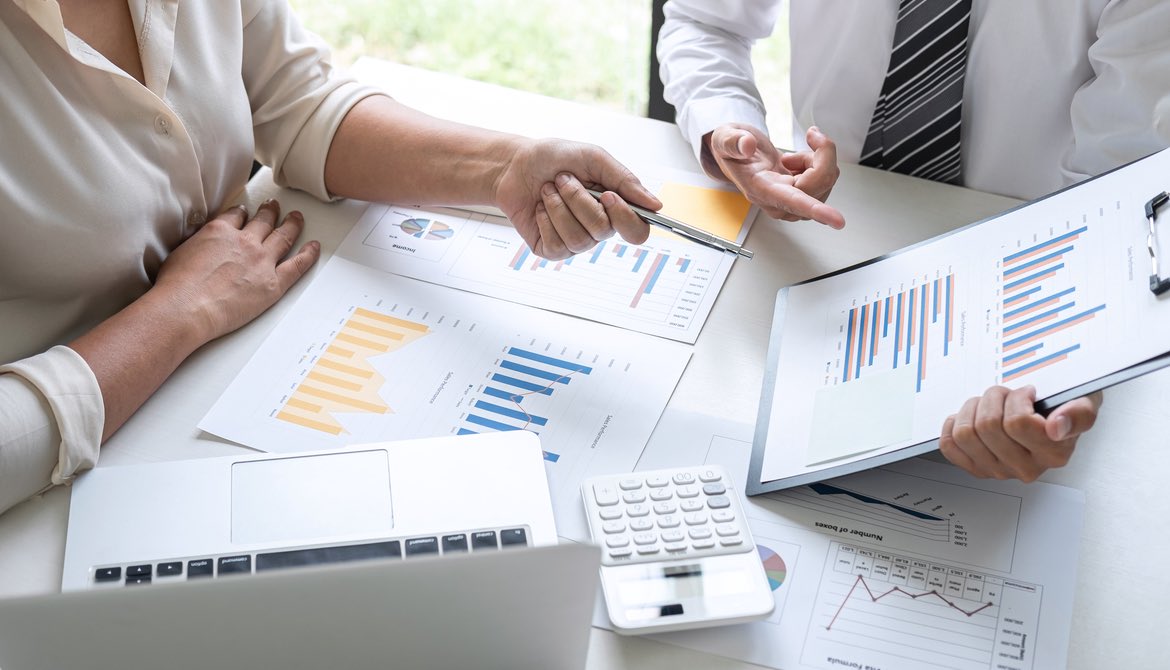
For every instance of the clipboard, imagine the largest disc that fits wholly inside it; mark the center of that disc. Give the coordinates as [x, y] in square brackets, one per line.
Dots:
[759, 481]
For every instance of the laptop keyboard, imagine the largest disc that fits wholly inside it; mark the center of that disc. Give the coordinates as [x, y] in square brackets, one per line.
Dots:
[484, 539]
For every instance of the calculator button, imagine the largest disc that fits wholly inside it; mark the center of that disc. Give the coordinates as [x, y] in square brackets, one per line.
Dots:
[691, 505]
[648, 550]
[673, 536]
[639, 525]
[703, 544]
[695, 519]
[638, 510]
[708, 476]
[699, 533]
[683, 478]
[657, 481]
[668, 521]
[688, 491]
[611, 527]
[665, 508]
[715, 489]
[620, 552]
[645, 538]
[630, 484]
[609, 513]
[726, 530]
[661, 494]
[723, 516]
[617, 541]
[731, 541]
[605, 495]
[675, 547]
[718, 502]
[631, 497]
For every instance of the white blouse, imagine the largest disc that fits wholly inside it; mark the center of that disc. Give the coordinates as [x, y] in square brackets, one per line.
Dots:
[102, 177]
[1055, 90]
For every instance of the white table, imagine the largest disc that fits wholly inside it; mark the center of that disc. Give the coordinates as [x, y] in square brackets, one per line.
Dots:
[1122, 580]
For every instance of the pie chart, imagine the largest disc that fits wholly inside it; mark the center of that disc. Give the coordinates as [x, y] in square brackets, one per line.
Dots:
[425, 229]
[774, 566]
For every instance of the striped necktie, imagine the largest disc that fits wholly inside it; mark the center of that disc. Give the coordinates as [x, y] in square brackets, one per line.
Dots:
[917, 120]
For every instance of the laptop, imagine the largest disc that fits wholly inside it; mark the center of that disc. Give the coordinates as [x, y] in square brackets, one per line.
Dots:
[523, 608]
[206, 518]
[423, 553]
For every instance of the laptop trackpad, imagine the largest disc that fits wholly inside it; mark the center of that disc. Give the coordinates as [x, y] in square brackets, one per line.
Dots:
[311, 498]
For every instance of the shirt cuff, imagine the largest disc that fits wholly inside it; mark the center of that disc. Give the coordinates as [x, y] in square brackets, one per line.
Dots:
[63, 377]
[304, 166]
[702, 115]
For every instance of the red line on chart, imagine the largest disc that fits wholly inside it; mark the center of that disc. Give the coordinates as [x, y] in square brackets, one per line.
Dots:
[914, 596]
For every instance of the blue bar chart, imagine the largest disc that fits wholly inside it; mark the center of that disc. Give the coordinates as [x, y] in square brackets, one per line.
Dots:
[521, 378]
[1041, 305]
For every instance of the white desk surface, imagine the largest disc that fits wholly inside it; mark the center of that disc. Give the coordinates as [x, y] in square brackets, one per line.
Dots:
[1122, 579]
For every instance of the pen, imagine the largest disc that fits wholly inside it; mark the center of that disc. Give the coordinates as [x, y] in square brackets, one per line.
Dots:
[686, 230]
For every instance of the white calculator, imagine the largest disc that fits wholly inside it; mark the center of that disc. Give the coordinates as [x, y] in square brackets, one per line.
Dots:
[676, 550]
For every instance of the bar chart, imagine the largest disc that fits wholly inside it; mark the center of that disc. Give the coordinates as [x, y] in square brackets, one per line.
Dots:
[1041, 305]
[895, 331]
[645, 267]
[520, 380]
[341, 378]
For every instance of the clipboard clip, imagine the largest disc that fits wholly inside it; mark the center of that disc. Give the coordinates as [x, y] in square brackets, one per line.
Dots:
[1158, 284]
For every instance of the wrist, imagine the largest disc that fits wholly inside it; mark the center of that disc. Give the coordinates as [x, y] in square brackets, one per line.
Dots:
[180, 316]
[707, 159]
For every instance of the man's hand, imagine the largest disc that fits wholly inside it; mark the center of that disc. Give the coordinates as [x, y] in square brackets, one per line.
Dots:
[542, 190]
[1000, 434]
[790, 186]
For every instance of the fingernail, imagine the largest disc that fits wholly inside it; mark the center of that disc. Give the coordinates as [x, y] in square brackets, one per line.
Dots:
[296, 214]
[562, 179]
[1063, 427]
[608, 199]
[548, 189]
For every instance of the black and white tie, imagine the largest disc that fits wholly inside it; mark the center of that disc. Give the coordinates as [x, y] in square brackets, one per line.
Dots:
[917, 121]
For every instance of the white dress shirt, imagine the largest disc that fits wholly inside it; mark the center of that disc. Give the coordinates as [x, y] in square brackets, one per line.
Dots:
[1055, 90]
[102, 177]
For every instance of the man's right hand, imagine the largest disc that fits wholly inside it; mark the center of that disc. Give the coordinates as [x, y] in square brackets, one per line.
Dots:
[789, 186]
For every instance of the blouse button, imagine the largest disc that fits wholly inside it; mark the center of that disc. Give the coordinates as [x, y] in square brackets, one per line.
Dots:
[162, 125]
[196, 218]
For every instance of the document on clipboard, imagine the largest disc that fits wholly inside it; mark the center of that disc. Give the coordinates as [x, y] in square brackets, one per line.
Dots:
[866, 363]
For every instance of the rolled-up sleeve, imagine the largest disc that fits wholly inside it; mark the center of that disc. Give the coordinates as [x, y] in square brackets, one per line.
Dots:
[298, 98]
[1123, 113]
[51, 421]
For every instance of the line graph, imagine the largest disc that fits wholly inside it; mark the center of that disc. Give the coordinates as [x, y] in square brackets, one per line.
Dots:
[910, 612]
[898, 589]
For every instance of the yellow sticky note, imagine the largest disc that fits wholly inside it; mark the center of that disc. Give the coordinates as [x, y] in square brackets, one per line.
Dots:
[718, 212]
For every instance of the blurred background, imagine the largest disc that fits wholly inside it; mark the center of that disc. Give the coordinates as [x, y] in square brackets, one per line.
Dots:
[592, 52]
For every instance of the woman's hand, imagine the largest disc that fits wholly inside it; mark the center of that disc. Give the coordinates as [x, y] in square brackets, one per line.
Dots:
[542, 190]
[231, 270]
